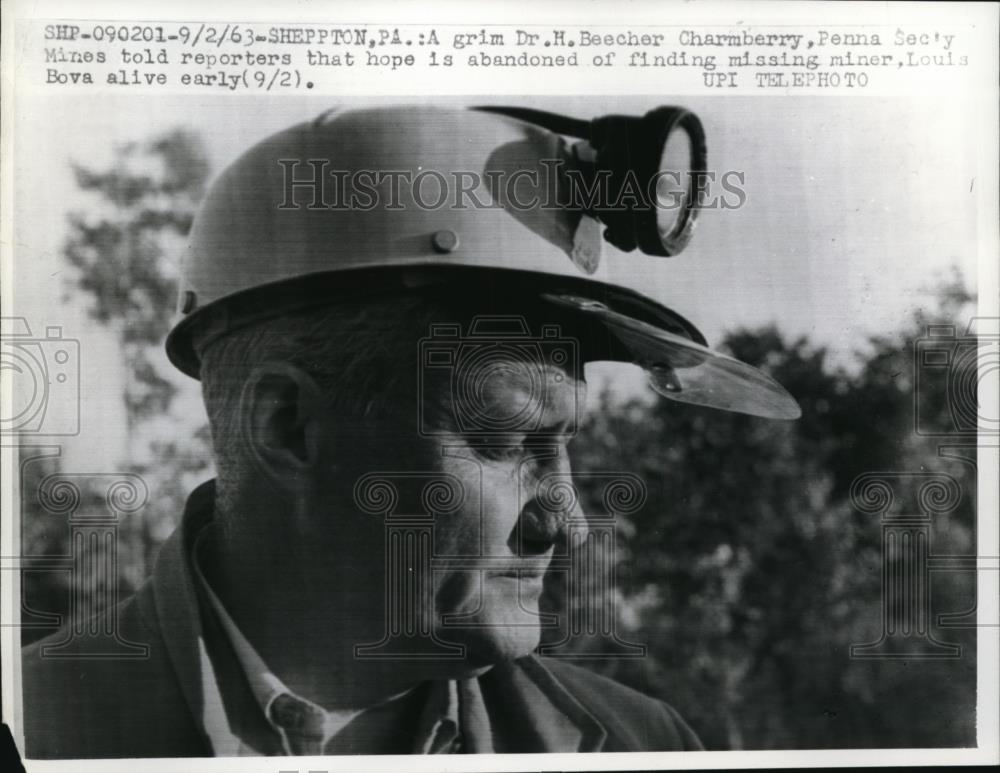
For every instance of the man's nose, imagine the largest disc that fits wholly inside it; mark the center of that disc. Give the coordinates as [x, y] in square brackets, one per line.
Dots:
[551, 500]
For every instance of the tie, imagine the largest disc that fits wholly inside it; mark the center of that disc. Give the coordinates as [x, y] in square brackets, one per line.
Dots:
[301, 724]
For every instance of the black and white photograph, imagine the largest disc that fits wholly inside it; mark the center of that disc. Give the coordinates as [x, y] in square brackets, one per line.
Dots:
[549, 381]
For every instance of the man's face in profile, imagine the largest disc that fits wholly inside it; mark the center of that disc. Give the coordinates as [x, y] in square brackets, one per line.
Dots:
[490, 553]
[512, 512]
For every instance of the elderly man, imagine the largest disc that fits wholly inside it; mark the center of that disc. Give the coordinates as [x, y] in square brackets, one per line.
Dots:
[391, 384]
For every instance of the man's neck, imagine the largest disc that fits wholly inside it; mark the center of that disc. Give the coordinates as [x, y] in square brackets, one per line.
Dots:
[306, 631]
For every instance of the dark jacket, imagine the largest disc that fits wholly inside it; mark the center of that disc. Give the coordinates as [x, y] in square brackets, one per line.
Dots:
[81, 704]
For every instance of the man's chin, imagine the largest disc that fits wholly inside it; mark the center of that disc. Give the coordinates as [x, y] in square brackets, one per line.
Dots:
[495, 643]
[499, 618]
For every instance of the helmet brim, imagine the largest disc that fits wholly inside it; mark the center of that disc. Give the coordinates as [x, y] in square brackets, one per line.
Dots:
[683, 370]
[611, 324]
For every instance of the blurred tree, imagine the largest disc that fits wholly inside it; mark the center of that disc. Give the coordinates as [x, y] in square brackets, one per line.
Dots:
[124, 255]
[123, 250]
[749, 574]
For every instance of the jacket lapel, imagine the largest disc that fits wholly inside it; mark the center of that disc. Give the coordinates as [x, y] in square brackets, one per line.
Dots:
[170, 603]
[530, 711]
[200, 656]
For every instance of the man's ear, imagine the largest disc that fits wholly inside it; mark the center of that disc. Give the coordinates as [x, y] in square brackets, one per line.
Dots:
[280, 415]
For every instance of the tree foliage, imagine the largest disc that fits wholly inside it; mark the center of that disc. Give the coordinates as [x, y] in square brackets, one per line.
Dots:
[749, 574]
[124, 250]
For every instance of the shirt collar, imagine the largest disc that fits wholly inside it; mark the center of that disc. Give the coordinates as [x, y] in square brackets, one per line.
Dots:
[439, 722]
[264, 684]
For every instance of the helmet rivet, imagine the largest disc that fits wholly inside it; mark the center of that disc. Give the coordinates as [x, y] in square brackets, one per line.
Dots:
[188, 302]
[444, 241]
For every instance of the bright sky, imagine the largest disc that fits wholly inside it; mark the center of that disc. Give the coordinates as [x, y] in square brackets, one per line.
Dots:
[855, 205]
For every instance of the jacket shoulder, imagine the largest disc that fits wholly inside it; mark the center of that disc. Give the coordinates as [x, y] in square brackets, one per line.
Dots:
[634, 721]
[112, 695]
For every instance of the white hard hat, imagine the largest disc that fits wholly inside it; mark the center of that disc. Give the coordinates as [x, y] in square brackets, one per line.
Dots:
[396, 198]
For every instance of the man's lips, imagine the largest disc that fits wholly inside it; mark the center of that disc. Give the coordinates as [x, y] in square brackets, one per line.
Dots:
[526, 568]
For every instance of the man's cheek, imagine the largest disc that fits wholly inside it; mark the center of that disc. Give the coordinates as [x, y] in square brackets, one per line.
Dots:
[457, 534]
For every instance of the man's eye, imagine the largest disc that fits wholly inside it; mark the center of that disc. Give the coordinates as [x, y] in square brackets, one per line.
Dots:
[515, 447]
